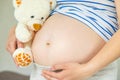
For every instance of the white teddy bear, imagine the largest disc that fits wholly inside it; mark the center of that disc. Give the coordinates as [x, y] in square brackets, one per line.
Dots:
[30, 15]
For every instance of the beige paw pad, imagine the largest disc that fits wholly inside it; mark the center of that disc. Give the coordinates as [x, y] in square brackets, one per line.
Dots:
[23, 59]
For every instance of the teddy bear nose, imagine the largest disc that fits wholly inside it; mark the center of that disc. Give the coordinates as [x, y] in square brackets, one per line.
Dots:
[37, 26]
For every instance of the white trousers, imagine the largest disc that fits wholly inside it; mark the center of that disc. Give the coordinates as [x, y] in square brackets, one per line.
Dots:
[108, 73]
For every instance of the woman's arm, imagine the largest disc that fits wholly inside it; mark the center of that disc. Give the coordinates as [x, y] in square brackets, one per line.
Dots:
[12, 43]
[109, 53]
[117, 4]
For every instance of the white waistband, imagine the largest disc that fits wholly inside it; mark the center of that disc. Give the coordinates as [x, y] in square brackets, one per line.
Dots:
[41, 67]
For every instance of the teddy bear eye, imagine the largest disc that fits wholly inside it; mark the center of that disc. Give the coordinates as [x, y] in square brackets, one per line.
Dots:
[42, 18]
[32, 16]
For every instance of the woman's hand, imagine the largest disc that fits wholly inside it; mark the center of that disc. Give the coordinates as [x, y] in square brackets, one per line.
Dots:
[70, 71]
[12, 42]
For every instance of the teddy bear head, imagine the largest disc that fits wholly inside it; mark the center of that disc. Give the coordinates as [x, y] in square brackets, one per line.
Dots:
[32, 13]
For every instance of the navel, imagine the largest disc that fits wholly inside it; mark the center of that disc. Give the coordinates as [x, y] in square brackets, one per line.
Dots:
[48, 44]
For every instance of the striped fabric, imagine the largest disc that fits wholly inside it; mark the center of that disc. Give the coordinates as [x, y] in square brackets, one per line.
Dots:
[99, 15]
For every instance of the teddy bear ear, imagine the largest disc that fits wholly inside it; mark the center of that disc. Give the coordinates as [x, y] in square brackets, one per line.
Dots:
[52, 4]
[17, 3]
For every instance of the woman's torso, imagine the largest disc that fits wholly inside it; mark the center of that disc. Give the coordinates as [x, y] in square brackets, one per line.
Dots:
[65, 40]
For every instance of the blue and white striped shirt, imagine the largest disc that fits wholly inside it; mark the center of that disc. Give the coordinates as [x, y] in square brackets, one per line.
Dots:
[99, 15]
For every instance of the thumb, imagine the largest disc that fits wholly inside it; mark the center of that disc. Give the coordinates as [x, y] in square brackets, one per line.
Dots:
[20, 44]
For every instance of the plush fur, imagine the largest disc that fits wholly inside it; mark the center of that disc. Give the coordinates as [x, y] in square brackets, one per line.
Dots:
[30, 14]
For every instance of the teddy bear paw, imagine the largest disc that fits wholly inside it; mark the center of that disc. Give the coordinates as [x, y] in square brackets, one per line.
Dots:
[23, 58]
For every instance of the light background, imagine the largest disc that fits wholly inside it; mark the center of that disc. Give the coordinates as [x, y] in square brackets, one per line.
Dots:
[7, 20]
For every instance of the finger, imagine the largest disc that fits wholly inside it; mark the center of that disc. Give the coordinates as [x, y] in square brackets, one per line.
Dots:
[10, 50]
[19, 44]
[11, 47]
[51, 74]
[11, 42]
[46, 77]
[15, 62]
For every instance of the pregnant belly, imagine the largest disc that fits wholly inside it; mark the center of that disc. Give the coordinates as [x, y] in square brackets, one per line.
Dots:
[68, 42]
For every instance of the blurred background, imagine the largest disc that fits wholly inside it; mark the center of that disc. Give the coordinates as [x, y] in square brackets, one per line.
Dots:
[7, 20]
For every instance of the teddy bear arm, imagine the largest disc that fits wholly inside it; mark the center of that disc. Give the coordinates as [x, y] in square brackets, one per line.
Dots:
[22, 33]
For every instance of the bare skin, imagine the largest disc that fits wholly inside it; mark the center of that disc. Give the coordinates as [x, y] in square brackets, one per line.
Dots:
[65, 42]
[118, 10]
